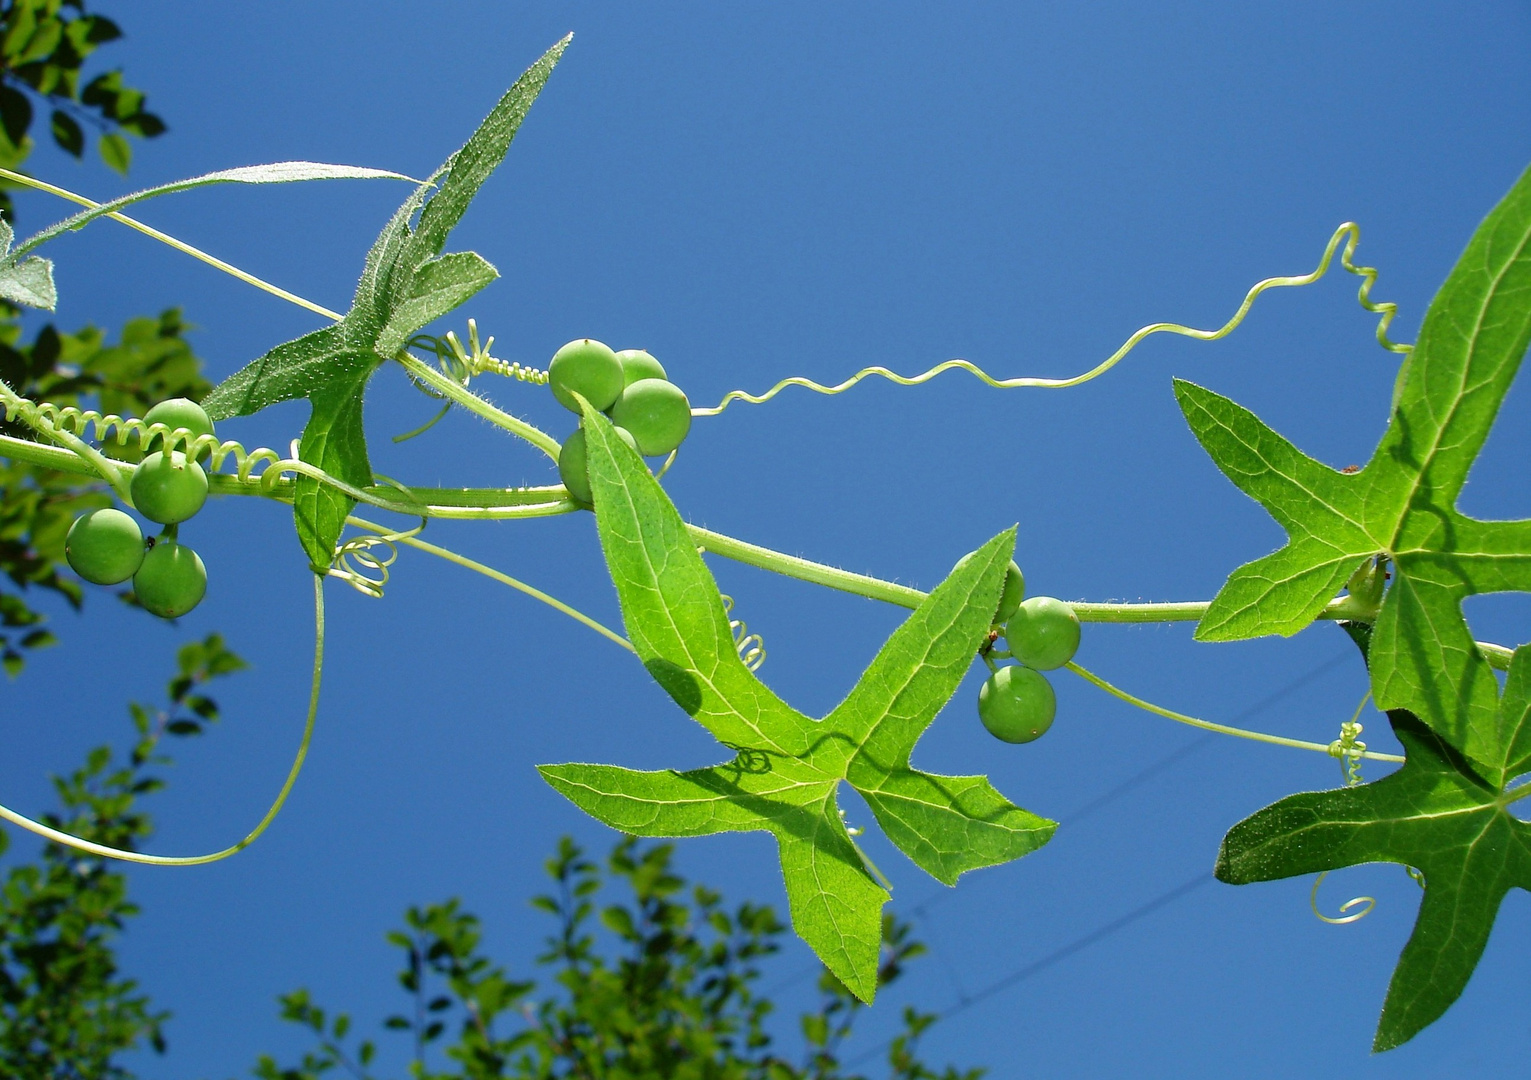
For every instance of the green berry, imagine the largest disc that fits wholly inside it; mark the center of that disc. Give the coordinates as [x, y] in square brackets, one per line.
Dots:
[572, 463]
[171, 581]
[1011, 595]
[1043, 633]
[1012, 592]
[168, 489]
[1017, 704]
[589, 369]
[639, 364]
[105, 547]
[656, 412]
[179, 413]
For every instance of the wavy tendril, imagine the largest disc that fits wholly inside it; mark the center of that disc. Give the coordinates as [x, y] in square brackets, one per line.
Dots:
[92, 848]
[1350, 232]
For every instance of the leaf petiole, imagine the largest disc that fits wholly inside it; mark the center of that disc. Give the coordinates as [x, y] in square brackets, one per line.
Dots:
[1224, 729]
[473, 403]
[496, 575]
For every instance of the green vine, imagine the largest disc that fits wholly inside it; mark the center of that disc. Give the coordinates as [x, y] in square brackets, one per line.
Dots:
[1380, 549]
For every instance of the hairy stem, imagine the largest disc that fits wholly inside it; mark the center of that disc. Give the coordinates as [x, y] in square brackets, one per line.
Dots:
[496, 575]
[473, 403]
[1224, 729]
[181, 246]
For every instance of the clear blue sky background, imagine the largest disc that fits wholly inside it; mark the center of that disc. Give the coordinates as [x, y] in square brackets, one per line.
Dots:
[758, 190]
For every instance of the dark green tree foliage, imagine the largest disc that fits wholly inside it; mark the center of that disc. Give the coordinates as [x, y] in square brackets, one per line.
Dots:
[152, 361]
[43, 46]
[662, 986]
[66, 1011]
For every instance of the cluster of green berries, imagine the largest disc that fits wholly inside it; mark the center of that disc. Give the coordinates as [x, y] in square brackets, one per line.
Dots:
[106, 546]
[1016, 702]
[652, 414]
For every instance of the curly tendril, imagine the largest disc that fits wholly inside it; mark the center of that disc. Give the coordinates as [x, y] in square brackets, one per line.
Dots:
[1348, 747]
[751, 647]
[90, 847]
[461, 365]
[1350, 232]
[363, 562]
[70, 426]
[1346, 915]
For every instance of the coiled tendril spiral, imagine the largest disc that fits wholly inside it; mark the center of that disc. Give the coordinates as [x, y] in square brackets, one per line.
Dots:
[751, 647]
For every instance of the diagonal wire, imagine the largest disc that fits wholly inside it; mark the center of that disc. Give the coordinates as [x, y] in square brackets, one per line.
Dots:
[1173, 758]
[1096, 804]
[1057, 956]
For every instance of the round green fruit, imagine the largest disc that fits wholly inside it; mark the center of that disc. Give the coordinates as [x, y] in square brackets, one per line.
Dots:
[639, 364]
[177, 413]
[1017, 704]
[168, 489]
[587, 368]
[105, 547]
[171, 581]
[1043, 633]
[573, 463]
[656, 412]
[1011, 593]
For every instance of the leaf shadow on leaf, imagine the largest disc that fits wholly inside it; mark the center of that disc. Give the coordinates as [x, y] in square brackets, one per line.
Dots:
[676, 681]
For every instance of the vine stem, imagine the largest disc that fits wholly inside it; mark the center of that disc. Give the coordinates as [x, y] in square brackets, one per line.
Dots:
[1224, 729]
[498, 503]
[496, 575]
[179, 245]
[93, 848]
[754, 554]
[451, 388]
[540, 439]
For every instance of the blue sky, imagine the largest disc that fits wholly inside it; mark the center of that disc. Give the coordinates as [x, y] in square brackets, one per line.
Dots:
[752, 191]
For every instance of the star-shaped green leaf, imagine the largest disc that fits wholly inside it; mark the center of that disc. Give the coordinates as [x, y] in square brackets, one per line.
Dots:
[1446, 816]
[1402, 504]
[786, 768]
[405, 284]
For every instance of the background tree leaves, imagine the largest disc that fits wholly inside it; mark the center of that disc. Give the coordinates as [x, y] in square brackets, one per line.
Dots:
[43, 47]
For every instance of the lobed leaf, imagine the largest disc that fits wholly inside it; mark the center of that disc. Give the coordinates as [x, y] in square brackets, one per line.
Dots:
[405, 284]
[1402, 504]
[1439, 813]
[785, 767]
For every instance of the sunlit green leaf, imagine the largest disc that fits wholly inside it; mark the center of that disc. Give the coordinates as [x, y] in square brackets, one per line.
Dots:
[1402, 504]
[406, 283]
[1446, 816]
[785, 768]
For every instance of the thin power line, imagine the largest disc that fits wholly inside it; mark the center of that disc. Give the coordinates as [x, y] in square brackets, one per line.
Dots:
[1174, 757]
[1057, 956]
[1132, 782]
[1121, 922]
